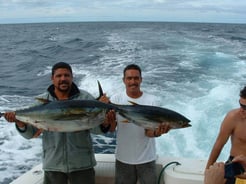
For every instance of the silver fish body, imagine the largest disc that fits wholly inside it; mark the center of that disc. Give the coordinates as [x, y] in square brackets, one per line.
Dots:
[65, 116]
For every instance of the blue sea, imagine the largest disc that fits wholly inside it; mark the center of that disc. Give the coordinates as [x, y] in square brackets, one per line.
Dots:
[196, 69]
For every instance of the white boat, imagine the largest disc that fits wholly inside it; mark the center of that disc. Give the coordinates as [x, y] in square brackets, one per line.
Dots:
[189, 171]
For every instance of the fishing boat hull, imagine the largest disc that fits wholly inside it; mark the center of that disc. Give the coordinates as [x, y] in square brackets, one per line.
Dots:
[169, 171]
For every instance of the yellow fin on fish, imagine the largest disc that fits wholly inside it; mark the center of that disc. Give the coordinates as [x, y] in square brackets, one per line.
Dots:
[77, 111]
[43, 100]
[125, 121]
[133, 103]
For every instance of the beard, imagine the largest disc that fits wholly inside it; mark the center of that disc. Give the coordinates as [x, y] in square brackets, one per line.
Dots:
[64, 87]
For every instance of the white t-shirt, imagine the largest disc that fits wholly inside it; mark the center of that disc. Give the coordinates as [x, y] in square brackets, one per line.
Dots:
[133, 146]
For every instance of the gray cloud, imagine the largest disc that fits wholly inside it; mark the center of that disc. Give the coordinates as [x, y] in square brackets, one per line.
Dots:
[162, 10]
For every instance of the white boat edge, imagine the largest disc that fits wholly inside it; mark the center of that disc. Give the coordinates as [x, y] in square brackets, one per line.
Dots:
[190, 171]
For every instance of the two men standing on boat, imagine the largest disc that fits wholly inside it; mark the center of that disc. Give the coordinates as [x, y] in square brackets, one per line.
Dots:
[69, 156]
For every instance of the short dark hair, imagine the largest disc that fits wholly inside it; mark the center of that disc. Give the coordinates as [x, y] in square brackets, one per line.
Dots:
[61, 65]
[243, 92]
[134, 67]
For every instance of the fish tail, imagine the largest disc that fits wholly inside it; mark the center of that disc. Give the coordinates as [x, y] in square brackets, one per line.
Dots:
[100, 90]
[114, 106]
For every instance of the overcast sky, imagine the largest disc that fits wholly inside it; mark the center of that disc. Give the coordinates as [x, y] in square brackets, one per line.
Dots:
[222, 11]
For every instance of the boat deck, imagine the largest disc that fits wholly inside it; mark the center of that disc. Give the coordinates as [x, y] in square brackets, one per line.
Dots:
[189, 171]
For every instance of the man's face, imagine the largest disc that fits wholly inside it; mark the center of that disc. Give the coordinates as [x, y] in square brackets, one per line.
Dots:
[242, 103]
[62, 79]
[132, 80]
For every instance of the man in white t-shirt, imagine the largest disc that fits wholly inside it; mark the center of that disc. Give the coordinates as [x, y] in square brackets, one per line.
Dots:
[135, 150]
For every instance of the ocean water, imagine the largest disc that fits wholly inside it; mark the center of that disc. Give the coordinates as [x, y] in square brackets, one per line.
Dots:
[195, 69]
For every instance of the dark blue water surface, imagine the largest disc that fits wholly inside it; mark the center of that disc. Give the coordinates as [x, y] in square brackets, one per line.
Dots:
[195, 69]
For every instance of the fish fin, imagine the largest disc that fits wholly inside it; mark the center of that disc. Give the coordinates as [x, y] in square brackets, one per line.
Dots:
[133, 103]
[125, 121]
[78, 112]
[43, 100]
[100, 90]
[1, 114]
